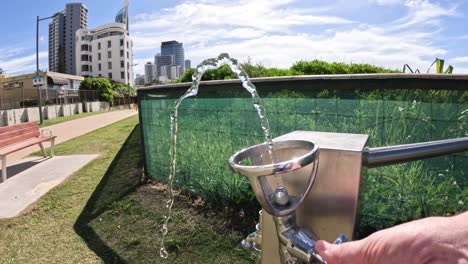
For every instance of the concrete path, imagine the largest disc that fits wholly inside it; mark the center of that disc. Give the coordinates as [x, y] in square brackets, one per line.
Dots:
[31, 177]
[74, 128]
[25, 188]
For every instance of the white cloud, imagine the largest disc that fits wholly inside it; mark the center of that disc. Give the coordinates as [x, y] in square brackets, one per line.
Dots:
[460, 59]
[385, 2]
[276, 33]
[15, 64]
[6, 53]
[424, 13]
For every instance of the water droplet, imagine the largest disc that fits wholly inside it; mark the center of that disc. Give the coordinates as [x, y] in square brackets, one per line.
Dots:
[163, 253]
[164, 230]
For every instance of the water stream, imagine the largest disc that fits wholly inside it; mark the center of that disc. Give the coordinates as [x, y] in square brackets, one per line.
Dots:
[211, 64]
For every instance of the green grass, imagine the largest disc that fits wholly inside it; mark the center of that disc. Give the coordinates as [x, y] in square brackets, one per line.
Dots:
[104, 213]
[57, 120]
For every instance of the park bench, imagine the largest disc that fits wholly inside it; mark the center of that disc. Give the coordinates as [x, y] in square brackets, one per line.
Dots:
[17, 137]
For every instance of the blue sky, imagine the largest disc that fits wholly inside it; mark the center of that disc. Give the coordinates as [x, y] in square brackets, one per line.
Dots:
[276, 33]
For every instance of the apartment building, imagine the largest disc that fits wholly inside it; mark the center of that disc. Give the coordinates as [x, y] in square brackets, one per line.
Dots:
[62, 45]
[105, 52]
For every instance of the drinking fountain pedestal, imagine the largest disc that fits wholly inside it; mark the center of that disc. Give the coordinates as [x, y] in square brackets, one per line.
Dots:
[331, 205]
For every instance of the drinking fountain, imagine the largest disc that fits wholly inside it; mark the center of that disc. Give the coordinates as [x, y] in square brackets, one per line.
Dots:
[304, 200]
[292, 159]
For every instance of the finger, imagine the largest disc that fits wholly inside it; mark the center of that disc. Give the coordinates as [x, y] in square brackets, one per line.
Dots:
[350, 252]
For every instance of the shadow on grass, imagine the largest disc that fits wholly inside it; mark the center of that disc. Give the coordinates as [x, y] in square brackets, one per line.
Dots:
[120, 222]
[121, 178]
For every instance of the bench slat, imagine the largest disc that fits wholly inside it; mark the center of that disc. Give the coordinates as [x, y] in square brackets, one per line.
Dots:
[19, 138]
[18, 132]
[18, 126]
[24, 144]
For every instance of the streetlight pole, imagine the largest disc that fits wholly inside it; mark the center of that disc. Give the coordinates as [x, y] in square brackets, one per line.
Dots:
[37, 65]
[39, 92]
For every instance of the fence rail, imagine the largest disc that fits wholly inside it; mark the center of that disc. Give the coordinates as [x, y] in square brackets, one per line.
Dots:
[29, 97]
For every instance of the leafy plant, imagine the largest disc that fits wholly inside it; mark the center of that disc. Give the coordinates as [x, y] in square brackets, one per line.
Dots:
[299, 68]
[102, 85]
[30, 102]
[323, 67]
[123, 90]
[439, 67]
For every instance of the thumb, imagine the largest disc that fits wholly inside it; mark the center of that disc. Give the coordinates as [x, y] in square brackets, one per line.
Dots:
[350, 252]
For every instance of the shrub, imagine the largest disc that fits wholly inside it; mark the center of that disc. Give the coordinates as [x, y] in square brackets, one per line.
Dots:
[123, 90]
[299, 68]
[102, 85]
[29, 102]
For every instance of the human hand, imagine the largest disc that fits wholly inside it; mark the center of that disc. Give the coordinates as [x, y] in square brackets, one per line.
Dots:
[429, 240]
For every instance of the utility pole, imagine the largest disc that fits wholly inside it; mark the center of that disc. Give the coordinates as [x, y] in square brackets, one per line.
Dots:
[37, 78]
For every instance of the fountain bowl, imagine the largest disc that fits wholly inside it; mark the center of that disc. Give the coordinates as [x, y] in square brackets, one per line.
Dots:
[291, 158]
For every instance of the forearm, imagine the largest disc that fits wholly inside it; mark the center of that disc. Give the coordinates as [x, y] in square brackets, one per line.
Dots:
[433, 239]
[459, 234]
[429, 240]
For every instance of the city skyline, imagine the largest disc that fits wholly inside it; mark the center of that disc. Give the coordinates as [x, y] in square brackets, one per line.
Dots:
[169, 63]
[275, 33]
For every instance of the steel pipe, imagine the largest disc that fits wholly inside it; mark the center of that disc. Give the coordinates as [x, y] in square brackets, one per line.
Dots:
[383, 156]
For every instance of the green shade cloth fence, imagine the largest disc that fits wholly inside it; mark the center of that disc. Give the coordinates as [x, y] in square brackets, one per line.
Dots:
[222, 120]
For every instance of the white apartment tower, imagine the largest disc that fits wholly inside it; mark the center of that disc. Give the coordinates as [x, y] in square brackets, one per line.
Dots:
[105, 52]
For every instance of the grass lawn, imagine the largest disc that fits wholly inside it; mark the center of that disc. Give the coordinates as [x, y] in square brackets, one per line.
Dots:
[53, 121]
[105, 213]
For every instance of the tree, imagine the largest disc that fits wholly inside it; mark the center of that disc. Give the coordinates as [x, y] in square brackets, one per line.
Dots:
[102, 85]
[123, 90]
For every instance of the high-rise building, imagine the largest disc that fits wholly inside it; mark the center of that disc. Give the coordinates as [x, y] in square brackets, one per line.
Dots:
[174, 48]
[105, 52]
[149, 72]
[170, 72]
[176, 72]
[188, 64]
[57, 43]
[162, 60]
[62, 45]
[139, 79]
[122, 15]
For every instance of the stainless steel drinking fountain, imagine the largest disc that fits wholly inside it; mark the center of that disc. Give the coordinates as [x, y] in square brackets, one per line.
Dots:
[317, 196]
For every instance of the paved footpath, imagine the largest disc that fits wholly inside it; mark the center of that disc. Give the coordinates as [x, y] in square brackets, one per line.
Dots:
[35, 176]
[74, 128]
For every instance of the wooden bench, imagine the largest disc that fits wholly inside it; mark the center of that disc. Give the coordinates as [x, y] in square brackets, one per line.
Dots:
[17, 137]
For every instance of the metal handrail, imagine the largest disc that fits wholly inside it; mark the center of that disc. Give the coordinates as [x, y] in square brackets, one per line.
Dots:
[383, 156]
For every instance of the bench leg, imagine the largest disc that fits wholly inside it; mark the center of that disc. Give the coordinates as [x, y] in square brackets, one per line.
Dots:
[4, 173]
[52, 144]
[43, 150]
